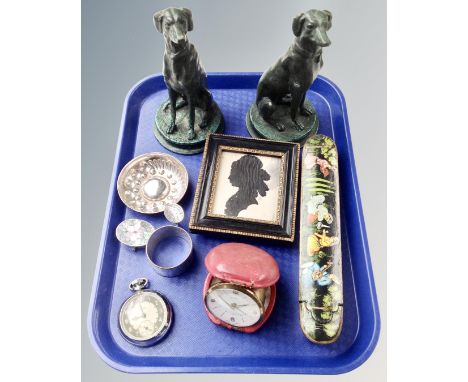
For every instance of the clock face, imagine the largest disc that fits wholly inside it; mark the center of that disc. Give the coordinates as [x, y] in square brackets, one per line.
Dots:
[234, 305]
[143, 316]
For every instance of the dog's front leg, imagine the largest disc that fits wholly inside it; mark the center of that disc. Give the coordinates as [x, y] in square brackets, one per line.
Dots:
[304, 111]
[179, 105]
[296, 97]
[207, 107]
[191, 106]
[172, 101]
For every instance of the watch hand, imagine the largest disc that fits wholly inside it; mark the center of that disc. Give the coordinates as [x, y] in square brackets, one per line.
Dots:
[141, 309]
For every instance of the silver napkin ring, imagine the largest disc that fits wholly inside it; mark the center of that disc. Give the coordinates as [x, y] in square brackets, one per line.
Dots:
[154, 254]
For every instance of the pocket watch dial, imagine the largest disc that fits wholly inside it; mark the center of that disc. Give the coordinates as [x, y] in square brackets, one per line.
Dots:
[234, 304]
[143, 316]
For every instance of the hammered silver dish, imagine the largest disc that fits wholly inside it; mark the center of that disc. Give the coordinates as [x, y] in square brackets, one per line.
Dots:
[134, 232]
[150, 181]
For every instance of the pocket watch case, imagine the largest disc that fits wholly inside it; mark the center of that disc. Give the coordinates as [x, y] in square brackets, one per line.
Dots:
[242, 266]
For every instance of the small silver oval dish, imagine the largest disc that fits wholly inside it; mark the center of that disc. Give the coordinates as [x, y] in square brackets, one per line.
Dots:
[150, 181]
[134, 232]
[174, 213]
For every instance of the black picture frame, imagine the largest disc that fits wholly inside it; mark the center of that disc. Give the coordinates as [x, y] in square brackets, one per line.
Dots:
[202, 220]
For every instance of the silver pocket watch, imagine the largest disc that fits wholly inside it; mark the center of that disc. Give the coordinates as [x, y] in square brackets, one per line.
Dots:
[146, 316]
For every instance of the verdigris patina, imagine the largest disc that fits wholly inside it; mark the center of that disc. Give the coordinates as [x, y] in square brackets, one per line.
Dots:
[183, 121]
[281, 111]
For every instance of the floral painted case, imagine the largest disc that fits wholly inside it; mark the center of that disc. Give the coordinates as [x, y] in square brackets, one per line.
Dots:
[320, 273]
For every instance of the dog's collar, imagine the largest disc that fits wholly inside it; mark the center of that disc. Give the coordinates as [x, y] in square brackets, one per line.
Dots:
[181, 52]
[304, 52]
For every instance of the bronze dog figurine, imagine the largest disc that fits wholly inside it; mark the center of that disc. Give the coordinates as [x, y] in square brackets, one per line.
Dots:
[288, 80]
[183, 73]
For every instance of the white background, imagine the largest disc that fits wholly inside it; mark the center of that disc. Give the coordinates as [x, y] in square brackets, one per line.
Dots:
[40, 101]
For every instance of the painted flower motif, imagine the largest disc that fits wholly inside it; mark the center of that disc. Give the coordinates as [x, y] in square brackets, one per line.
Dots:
[313, 245]
[314, 202]
[312, 218]
[317, 211]
[312, 160]
[317, 241]
[322, 278]
[313, 274]
[324, 166]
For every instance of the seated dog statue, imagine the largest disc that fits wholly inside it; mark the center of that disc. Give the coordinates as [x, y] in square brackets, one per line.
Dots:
[288, 80]
[183, 73]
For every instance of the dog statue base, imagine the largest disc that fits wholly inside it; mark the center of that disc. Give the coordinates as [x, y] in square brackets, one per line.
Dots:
[177, 141]
[259, 128]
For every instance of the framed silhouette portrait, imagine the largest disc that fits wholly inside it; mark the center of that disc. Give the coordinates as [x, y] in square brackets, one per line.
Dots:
[247, 187]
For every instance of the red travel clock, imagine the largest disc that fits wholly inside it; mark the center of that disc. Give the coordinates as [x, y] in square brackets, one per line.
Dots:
[239, 291]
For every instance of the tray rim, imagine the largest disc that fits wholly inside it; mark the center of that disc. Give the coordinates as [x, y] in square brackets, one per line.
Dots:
[311, 370]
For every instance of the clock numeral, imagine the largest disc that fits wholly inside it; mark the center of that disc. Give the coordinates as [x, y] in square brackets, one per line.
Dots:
[235, 292]
[233, 319]
[213, 300]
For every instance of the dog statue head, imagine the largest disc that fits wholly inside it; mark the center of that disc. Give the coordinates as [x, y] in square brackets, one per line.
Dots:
[174, 23]
[311, 28]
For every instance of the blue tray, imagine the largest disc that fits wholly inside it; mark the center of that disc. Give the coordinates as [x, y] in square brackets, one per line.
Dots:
[194, 343]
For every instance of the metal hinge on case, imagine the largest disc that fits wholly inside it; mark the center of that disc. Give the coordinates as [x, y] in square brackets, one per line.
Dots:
[312, 310]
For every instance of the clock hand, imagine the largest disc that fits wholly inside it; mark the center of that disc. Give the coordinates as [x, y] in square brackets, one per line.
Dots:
[240, 310]
[233, 306]
[223, 300]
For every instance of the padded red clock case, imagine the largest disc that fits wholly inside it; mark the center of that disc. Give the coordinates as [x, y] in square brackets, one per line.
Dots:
[245, 265]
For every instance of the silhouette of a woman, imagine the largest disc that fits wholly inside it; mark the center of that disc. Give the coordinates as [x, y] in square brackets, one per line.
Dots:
[247, 174]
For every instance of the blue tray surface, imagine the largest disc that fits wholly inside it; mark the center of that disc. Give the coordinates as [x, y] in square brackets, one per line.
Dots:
[194, 343]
